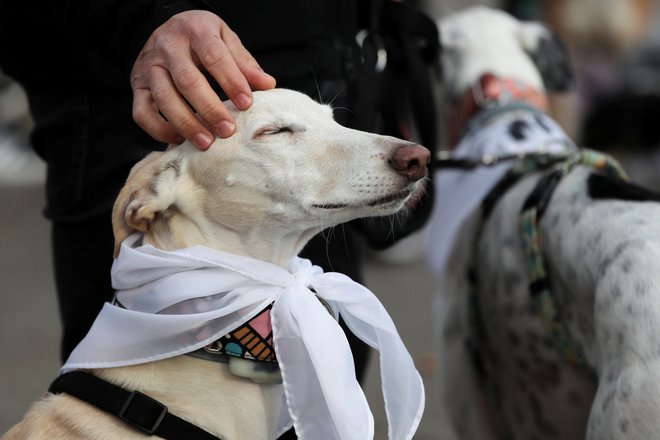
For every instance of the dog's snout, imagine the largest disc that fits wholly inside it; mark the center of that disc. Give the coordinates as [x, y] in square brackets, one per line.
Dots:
[410, 161]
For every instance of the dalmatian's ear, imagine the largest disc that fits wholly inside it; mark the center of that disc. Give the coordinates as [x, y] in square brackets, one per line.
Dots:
[550, 54]
[149, 192]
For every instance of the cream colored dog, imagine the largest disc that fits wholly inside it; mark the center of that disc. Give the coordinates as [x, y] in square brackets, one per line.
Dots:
[288, 172]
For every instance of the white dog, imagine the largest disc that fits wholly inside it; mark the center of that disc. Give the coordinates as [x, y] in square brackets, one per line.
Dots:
[204, 242]
[549, 266]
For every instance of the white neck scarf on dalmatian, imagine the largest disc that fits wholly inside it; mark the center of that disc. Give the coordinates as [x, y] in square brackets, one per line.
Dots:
[459, 192]
[177, 302]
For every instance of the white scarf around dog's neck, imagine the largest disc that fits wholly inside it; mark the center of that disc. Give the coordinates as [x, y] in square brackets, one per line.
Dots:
[177, 302]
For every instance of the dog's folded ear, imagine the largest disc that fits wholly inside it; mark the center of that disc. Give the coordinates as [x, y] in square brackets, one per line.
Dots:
[149, 191]
[550, 54]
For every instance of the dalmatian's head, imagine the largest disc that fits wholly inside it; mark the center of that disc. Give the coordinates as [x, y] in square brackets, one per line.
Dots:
[481, 40]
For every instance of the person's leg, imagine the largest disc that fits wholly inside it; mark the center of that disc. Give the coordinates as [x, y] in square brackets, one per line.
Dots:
[90, 144]
[82, 257]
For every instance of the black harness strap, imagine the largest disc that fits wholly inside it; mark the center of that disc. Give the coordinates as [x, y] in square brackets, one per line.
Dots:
[136, 409]
[603, 187]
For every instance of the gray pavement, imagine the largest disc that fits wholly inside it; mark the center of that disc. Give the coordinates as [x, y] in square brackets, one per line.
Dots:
[30, 328]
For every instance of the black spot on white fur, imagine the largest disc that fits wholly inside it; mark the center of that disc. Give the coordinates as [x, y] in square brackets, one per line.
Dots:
[518, 129]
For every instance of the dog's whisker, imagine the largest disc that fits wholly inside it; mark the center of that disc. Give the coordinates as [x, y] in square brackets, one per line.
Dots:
[345, 240]
[327, 234]
[316, 84]
[339, 93]
[344, 108]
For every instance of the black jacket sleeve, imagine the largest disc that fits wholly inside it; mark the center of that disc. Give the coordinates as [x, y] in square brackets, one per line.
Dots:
[79, 43]
[117, 29]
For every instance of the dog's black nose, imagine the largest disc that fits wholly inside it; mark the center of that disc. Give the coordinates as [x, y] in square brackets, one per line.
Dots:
[410, 161]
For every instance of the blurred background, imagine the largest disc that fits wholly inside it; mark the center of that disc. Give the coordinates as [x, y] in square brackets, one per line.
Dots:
[615, 49]
[615, 45]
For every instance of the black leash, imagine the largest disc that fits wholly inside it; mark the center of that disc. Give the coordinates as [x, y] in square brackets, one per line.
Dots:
[134, 408]
[445, 161]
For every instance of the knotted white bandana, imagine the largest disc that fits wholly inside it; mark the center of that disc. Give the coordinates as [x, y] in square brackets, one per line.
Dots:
[177, 302]
[459, 192]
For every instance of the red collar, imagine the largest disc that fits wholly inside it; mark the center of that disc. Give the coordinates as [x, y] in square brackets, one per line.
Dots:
[488, 92]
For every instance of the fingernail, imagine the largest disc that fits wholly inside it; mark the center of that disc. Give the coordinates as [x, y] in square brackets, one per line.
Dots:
[202, 141]
[225, 129]
[243, 101]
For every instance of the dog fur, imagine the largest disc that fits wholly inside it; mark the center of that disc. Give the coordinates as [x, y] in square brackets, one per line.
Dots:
[604, 262]
[287, 173]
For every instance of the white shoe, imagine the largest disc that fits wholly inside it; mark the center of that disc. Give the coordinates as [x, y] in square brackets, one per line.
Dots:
[19, 164]
[13, 103]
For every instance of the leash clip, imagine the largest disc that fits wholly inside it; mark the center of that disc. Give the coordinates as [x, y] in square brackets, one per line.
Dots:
[363, 39]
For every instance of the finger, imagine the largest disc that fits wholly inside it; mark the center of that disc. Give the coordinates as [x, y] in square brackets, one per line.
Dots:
[194, 87]
[219, 62]
[257, 78]
[170, 103]
[145, 114]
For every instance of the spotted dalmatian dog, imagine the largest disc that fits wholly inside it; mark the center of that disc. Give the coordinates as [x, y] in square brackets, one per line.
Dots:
[547, 258]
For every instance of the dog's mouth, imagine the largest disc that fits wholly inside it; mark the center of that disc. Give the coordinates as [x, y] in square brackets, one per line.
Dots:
[384, 200]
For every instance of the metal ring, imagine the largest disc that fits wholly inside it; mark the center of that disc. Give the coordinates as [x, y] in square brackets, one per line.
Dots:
[381, 52]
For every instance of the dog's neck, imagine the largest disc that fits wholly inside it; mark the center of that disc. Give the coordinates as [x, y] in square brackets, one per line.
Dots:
[487, 92]
[262, 243]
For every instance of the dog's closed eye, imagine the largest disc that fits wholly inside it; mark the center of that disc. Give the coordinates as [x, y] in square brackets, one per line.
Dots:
[274, 130]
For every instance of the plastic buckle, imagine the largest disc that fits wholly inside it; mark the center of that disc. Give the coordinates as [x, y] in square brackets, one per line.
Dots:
[146, 407]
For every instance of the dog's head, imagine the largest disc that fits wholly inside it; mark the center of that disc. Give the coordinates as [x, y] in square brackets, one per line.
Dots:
[482, 40]
[289, 171]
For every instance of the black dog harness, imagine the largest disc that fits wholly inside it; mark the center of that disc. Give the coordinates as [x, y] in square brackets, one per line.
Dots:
[134, 408]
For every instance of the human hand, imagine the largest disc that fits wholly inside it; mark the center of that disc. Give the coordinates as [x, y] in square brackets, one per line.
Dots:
[169, 71]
